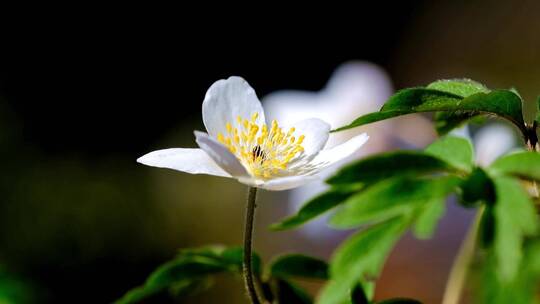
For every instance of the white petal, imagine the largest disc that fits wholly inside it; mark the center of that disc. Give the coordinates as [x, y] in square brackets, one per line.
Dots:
[316, 134]
[289, 182]
[194, 161]
[227, 99]
[220, 154]
[329, 157]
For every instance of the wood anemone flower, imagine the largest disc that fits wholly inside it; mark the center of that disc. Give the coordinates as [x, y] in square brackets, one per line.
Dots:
[241, 145]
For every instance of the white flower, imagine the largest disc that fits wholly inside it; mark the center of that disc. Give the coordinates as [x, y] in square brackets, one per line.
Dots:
[240, 144]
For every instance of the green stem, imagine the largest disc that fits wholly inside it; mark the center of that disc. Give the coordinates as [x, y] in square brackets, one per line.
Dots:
[248, 237]
[458, 273]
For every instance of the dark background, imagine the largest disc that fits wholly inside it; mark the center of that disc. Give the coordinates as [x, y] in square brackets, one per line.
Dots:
[82, 97]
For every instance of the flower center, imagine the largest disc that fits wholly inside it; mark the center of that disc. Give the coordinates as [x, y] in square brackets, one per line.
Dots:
[264, 152]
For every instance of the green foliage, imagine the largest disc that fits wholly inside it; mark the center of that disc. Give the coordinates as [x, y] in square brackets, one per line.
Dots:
[456, 151]
[385, 165]
[313, 208]
[515, 218]
[390, 198]
[520, 164]
[189, 272]
[454, 101]
[297, 265]
[360, 258]
[428, 216]
[477, 188]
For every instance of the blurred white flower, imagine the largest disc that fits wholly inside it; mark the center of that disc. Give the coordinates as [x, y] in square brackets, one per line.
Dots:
[490, 141]
[355, 88]
[240, 144]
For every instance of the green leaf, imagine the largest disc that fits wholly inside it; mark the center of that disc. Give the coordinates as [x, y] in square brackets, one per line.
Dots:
[448, 121]
[460, 87]
[313, 208]
[477, 187]
[428, 217]
[382, 166]
[391, 198]
[521, 164]
[297, 265]
[189, 272]
[360, 258]
[515, 218]
[456, 151]
[400, 301]
[289, 293]
[487, 227]
[502, 103]
[521, 290]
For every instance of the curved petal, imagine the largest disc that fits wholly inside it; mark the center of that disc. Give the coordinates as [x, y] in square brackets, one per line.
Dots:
[316, 133]
[194, 161]
[221, 155]
[227, 99]
[331, 156]
[288, 182]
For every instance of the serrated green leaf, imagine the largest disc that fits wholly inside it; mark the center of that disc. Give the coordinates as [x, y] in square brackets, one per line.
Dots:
[289, 293]
[382, 166]
[297, 265]
[360, 258]
[456, 151]
[502, 103]
[428, 217]
[390, 198]
[399, 301]
[515, 218]
[460, 87]
[477, 187]
[523, 164]
[313, 208]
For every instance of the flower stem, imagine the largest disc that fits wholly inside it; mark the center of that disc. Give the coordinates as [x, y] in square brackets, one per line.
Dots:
[458, 273]
[248, 236]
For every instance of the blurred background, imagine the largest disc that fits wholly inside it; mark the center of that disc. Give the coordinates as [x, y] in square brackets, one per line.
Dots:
[81, 97]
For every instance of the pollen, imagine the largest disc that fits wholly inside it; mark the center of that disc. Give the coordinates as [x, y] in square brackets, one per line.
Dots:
[266, 151]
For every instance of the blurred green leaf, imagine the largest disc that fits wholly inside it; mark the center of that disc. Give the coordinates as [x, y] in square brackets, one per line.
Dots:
[313, 208]
[360, 258]
[523, 164]
[399, 301]
[523, 289]
[460, 87]
[289, 293]
[502, 103]
[515, 218]
[189, 272]
[428, 216]
[297, 265]
[477, 187]
[382, 166]
[456, 151]
[390, 198]
[486, 231]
